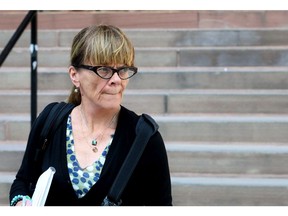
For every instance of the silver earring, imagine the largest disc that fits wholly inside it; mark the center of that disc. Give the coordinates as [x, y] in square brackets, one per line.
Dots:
[76, 90]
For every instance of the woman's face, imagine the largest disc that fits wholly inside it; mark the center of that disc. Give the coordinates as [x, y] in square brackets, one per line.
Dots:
[97, 91]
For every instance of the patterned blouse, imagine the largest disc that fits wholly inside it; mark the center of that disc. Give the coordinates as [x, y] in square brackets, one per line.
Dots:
[82, 178]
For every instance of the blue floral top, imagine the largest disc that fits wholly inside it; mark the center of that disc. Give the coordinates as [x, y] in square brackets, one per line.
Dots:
[82, 178]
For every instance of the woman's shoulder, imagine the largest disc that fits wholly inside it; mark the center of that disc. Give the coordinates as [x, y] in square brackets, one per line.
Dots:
[46, 110]
[132, 118]
[49, 107]
[58, 106]
[130, 114]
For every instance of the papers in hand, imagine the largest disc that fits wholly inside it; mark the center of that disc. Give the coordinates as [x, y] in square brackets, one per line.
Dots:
[42, 187]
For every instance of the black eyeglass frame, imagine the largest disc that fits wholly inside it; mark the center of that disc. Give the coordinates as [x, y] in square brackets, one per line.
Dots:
[115, 70]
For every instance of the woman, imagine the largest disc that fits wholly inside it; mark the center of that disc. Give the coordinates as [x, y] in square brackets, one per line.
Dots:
[92, 142]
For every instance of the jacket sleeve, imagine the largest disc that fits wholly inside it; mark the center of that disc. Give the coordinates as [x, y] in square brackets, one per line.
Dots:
[28, 173]
[158, 183]
[150, 184]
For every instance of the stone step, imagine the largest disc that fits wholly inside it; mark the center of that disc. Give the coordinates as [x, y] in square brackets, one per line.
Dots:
[229, 191]
[160, 37]
[171, 101]
[168, 78]
[208, 191]
[11, 155]
[168, 57]
[228, 158]
[194, 158]
[264, 128]
[224, 127]
[6, 179]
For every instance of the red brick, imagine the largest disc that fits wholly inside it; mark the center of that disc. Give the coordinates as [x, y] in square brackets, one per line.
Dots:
[276, 19]
[231, 19]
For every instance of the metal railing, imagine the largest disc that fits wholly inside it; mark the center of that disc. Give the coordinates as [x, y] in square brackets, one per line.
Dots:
[31, 17]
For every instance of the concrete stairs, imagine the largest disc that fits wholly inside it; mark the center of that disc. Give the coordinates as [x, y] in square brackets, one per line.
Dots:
[219, 96]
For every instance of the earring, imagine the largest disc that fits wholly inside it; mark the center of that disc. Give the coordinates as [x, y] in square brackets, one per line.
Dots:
[76, 90]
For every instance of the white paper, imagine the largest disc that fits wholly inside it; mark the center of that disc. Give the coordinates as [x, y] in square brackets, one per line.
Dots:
[42, 187]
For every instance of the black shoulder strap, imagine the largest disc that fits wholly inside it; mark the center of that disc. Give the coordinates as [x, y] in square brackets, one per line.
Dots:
[55, 117]
[145, 128]
[52, 122]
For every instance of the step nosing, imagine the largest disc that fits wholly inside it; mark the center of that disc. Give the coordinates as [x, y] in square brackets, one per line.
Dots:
[224, 118]
[223, 181]
[12, 147]
[259, 149]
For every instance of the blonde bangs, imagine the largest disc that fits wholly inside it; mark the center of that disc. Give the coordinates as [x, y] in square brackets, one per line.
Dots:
[110, 48]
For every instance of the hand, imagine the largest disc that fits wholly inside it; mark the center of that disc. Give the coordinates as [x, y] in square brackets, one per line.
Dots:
[24, 203]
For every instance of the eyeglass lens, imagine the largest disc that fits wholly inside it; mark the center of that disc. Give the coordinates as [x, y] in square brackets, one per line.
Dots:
[123, 73]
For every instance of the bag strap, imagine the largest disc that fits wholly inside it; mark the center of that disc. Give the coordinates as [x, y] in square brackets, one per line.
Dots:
[145, 128]
[54, 119]
[51, 124]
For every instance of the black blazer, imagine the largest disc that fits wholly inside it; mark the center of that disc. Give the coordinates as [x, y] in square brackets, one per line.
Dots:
[149, 185]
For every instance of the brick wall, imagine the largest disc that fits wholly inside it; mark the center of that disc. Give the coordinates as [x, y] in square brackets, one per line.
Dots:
[151, 19]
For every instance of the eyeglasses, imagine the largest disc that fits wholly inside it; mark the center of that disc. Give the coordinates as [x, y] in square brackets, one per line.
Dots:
[106, 72]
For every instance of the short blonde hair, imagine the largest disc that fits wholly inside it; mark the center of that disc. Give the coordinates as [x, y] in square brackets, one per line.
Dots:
[100, 45]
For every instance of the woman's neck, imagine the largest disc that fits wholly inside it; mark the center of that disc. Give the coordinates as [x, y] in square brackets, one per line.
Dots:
[98, 118]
